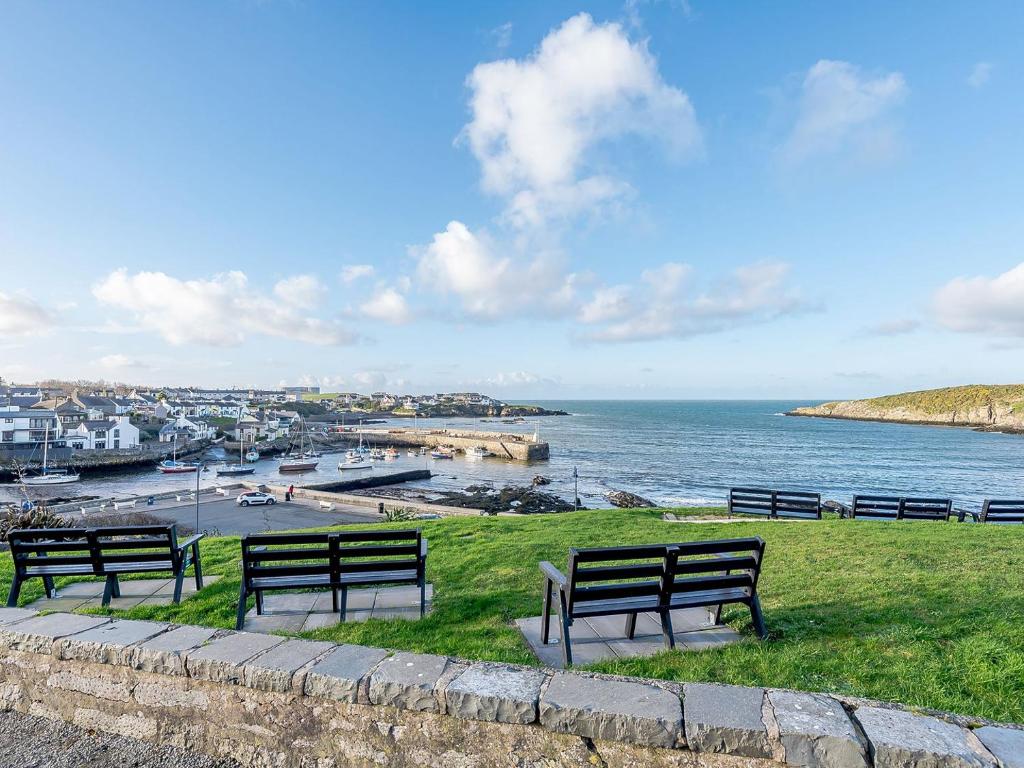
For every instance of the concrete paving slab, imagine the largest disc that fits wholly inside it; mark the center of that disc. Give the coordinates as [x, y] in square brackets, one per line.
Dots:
[712, 637]
[108, 643]
[124, 603]
[496, 693]
[816, 731]
[81, 589]
[274, 622]
[342, 672]
[289, 602]
[408, 681]
[39, 633]
[11, 615]
[1007, 744]
[166, 652]
[360, 599]
[59, 604]
[142, 587]
[276, 669]
[320, 619]
[222, 660]
[586, 644]
[901, 738]
[400, 597]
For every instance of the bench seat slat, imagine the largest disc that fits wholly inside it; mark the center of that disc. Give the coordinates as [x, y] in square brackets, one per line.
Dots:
[139, 566]
[291, 582]
[379, 577]
[625, 605]
[712, 597]
[80, 569]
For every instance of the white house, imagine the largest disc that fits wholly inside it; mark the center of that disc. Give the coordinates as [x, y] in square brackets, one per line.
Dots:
[99, 434]
[27, 427]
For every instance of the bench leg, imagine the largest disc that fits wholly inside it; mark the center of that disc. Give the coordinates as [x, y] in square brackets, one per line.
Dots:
[259, 602]
[423, 598]
[334, 599]
[12, 596]
[108, 589]
[198, 566]
[179, 580]
[51, 591]
[116, 590]
[240, 616]
[666, 629]
[563, 613]
[631, 625]
[758, 617]
[344, 602]
[545, 616]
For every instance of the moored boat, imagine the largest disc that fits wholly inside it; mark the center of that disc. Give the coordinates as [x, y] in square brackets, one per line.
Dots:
[49, 476]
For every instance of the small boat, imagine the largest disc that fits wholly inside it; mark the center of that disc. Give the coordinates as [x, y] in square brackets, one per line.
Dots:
[297, 464]
[411, 452]
[49, 476]
[477, 452]
[354, 460]
[230, 470]
[390, 454]
[172, 467]
[252, 456]
[376, 454]
[441, 453]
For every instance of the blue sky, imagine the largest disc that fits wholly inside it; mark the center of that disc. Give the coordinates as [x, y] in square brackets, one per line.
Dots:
[537, 200]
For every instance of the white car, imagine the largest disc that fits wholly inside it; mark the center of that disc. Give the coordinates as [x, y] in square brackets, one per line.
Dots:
[255, 497]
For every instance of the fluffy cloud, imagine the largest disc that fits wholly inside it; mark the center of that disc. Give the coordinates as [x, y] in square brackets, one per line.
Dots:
[980, 74]
[993, 305]
[487, 282]
[21, 316]
[219, 311]
[535, 120]
[840, 107]
[664, 304]
[352, 272]
[300, 291]
[388, 305]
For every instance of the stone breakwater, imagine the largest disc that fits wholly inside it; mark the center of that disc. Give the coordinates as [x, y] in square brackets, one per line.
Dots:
[504, 445]
[995, 418]
[266, 700]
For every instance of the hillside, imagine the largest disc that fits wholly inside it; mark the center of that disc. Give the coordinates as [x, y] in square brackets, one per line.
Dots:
[997, 407]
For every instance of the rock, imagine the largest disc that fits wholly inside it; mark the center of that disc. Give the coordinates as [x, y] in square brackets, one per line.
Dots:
[165, 653]
[900, 739]
[725, 718]
[1007, 744]
[496, 693]
[614, 710]
[628, 500]
[39, 633]
[523, 500]
[541, 480]
[816, 731]
[408, 681]
[109, 643]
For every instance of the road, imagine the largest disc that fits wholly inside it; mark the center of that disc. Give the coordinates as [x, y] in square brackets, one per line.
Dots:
[225, 516]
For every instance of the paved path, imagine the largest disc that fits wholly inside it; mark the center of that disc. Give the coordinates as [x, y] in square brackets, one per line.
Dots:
[32, 742]
[227, 517]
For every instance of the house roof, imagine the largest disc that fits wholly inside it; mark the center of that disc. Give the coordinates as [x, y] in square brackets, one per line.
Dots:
[95, 424]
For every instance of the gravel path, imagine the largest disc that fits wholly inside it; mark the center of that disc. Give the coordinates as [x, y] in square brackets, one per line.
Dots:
[33, 742]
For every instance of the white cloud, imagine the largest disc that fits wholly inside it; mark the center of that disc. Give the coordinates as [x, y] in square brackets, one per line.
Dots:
[502, 35]
[218, 311]
[893, 327]
[387, 305]
[663, 304]
[119, 361]
[536, 120]
[992, 305]
[300, 291]
[490, 284]
[517, 379]
[21, 316]
[841, 107]
[980, 74]
[352, 272]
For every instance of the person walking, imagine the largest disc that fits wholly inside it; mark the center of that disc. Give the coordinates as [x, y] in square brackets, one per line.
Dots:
[288, 494]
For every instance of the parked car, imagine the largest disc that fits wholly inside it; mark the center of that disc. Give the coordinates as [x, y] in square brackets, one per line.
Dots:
[255, 497]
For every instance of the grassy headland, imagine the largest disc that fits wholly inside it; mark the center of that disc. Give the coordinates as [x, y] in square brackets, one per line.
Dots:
[928, 614]
[986, 406]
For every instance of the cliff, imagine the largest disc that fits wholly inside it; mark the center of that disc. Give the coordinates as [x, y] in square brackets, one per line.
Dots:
[997, 408]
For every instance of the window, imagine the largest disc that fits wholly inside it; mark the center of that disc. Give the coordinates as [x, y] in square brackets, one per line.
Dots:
[117, 444]
[101, 445]
[9, 436]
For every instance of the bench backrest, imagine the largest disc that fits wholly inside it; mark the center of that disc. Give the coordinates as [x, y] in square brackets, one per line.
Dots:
[369, 551]
[288, 555]
[703, 566]
[1002, 511]
[801, 505]
[50, 547]
[901, 508]
[615, 573]
[134, 544]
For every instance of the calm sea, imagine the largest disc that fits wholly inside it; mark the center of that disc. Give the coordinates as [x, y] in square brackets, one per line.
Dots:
[690, 452]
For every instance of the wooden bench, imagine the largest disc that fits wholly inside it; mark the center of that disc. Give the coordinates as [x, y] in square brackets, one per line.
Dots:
[654, 578]
[897, 508]
[799, 505]
[336, 561]
[108, 552]
[118, 505]
[1002, 511]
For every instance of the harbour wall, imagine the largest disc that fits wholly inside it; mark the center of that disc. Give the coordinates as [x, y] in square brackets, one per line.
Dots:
[505, 445]
[269, 701]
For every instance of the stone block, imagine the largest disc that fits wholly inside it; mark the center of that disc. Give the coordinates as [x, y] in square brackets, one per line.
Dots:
[11, 615]
[725, 718]
[496, 693]
[340, 673]
[222, 659]
[108, 643]
[900, 738]
[165, 653]
[38, 634]
[612, 710]
[172, 693]
[408, 681]
[99, 686]
[816, 731]
[1007, 744]
[132, 726]
[275, 669]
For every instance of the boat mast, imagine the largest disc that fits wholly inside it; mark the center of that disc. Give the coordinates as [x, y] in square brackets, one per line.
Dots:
[46, 444]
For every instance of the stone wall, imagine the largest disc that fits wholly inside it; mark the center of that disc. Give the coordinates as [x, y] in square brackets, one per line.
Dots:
[271, 701]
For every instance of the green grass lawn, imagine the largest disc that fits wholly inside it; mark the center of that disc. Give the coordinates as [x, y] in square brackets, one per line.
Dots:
[928, 614]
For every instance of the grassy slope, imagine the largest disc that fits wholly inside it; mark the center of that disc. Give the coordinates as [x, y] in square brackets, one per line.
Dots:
[952, 398]
[926, 614]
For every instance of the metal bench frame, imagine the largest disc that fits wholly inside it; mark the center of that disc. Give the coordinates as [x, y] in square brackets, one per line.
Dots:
[876, 507]
[336, 561]
[107, 553]
[775, 504]
[997, 511]
[666, 577]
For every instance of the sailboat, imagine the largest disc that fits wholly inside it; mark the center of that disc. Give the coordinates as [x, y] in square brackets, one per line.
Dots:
[304, 462]
[354, 460]
[49, 476]
[241, 469]
[172, 466]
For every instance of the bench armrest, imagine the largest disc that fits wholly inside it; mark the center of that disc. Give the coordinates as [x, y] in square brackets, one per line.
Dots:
[553, 574]
[962, 513]
[188, 543]
[423, 549]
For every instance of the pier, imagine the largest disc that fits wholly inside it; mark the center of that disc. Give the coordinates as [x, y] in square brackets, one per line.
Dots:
[504, 445]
